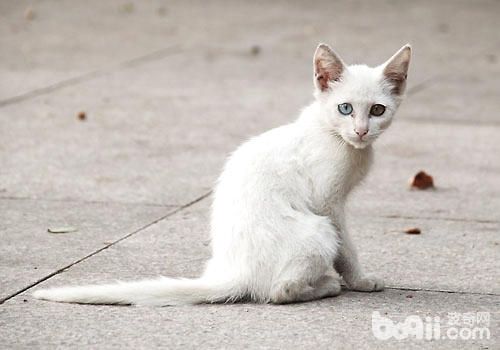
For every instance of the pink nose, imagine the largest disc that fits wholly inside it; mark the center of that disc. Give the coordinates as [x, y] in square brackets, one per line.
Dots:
[361, 132]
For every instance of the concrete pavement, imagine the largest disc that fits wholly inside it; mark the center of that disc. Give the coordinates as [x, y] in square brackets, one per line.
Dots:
[169, 89]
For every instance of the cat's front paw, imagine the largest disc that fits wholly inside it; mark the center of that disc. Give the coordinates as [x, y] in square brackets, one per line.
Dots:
[367, 284]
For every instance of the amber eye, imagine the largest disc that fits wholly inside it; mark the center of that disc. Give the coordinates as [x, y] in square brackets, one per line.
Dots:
[377, 110]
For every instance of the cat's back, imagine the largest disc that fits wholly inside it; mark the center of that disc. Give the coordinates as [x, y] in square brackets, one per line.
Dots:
[257, 170]
[270, 150]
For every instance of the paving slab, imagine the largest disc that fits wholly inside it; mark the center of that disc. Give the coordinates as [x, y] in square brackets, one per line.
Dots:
[178, 246]
[37, 53]
[30, 253]
[443, 257]
[341, 322]
[157, 141]
[447, 255]
[166, 141]
[148, 130]
[101, 35]
[465, 173]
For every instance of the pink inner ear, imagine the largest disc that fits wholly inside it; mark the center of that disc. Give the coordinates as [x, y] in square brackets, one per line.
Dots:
[396, 70]
[327, 71]
[398, 81]
[322, 78]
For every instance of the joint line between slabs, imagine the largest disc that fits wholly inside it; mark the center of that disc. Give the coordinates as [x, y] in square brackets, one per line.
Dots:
[89, 75]
[169, 214]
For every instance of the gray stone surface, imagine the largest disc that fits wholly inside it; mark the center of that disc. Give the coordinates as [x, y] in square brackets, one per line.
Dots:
[38, 53]
[342, 322]
[169, 89]
[465, 173]
[178, 246]
[30, 253]
[154, 142]
[436, 259]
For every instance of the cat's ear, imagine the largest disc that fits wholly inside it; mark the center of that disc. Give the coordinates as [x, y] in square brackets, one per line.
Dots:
[396, 69]
[327, 67]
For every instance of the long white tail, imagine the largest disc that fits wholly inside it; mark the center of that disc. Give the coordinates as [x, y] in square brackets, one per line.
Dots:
[160, 292]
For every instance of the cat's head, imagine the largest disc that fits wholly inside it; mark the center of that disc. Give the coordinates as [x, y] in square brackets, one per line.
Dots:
[358, 102]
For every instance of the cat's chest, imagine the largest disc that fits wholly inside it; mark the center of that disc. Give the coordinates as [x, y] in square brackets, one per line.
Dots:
[332, 174]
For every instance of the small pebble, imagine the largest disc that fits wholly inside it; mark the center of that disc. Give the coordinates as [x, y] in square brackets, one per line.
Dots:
[162, 11]
[255, 50]
[491, 57]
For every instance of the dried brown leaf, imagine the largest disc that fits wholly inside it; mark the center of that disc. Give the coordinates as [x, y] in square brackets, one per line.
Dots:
[422, 181]
[413, 231]
[29, 14]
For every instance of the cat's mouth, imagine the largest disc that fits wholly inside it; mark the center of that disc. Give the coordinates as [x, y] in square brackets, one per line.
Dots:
[358, 143]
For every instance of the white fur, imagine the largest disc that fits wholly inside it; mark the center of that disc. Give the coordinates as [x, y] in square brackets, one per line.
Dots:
[278, 226]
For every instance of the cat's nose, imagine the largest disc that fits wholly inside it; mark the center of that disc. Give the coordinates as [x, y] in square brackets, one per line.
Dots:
[361, 132]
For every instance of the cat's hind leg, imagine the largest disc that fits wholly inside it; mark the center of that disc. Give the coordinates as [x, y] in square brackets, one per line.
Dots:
[294, 291]
[304, 279]
[308, 251]
[327, 286]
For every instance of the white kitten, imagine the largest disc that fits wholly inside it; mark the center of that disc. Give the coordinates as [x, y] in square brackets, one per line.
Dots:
[278, 227]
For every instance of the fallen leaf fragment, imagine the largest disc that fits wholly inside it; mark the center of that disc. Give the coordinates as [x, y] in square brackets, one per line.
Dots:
[413, 231]
[29, 14]
[66, 229]
[422, 181]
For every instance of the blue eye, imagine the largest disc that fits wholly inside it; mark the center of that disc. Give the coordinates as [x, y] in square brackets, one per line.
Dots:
[345, 108]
